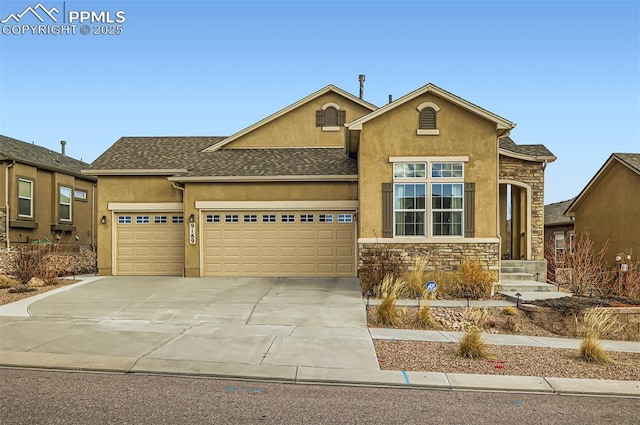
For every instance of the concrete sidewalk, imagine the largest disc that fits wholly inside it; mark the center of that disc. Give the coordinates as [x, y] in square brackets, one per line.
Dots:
[297, 330]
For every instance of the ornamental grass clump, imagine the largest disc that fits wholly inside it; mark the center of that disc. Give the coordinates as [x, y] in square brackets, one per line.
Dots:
[473, 280]
[425, 320]
[598, 323]
[472, 345]
[413, 280]
[387, 313]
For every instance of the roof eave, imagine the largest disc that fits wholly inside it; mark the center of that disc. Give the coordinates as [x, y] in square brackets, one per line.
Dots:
[53, 169]
[262, 179]
[135, 172]
[534, 158]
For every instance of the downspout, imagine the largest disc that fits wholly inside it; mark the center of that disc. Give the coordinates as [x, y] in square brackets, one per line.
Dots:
[6, 202]
[181, 188]
[94, 227]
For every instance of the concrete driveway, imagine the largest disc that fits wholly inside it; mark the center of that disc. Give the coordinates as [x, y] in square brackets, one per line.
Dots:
[250, 327]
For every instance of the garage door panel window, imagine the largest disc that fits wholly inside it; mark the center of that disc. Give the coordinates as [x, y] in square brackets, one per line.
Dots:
[124, 219]
[345, 218]
[288, 218]
[177, 219]
[306, 218]
[231, 218]
[325, 218]
[142, 219]
[250, 218]
[213, 218]
[268, 218]
[160, 219]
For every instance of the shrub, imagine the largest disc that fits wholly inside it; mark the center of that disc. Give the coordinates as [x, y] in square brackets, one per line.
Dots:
[472, 279]
[511, 311]
[8, 282]
[510, 324]
[598, 323]
[32, 261]
[377, 263]
[472, 346]
[425, 320]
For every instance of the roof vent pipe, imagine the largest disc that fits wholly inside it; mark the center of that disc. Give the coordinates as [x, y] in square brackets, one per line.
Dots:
[63, 144]
[390, 98]
[361, 79]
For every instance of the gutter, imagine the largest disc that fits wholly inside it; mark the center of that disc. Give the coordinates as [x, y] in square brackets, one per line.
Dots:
[6, 202]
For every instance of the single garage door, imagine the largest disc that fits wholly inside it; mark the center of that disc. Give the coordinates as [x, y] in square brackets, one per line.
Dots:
[149, 244]
[279, 243]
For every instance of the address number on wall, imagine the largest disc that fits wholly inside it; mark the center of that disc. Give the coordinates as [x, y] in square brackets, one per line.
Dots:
[192, 233]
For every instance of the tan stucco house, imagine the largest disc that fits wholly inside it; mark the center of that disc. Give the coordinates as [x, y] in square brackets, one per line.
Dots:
[608, 208]
[318, 185]
[44, 195]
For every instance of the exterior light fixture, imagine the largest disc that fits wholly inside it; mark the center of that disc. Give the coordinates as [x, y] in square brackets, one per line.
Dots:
[518, 295]
[419, 297]
[103, 220]
[368, 295]
[192, 218]
[467, 295]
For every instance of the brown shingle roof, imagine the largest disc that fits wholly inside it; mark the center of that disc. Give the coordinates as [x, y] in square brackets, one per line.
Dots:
[147, 153]
[39, 156]
[529, 150]
[632, 159]
[553, 213]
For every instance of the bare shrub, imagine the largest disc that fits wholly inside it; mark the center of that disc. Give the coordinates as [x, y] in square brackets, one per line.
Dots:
[624, 283]
[377, 263]
[30, 261]
[583, 267]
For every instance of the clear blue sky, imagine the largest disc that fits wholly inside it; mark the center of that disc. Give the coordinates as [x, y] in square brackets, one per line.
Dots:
[567, 72]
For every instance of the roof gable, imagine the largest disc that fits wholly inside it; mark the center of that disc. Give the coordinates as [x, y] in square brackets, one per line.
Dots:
[280, 113]
[554, 213]
[41, 157]
[629, 160]
[501, 123]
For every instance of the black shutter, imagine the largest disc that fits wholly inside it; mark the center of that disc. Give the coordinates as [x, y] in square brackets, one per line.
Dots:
[387, 210]
[427, 119]
[319, 118]
[342, 117]
[469, 210]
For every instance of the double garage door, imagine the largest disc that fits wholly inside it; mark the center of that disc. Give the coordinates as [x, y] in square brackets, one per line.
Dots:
[149, 244]
[279, 243]
[239, 243]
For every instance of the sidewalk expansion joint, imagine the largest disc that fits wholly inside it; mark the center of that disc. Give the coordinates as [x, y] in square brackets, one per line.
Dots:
[266, 353]
[159, 346]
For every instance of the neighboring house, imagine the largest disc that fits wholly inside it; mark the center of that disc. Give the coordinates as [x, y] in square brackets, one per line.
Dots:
[608, 208]
[315, 187]
[558, 229]
[44, 195]
[558, 235]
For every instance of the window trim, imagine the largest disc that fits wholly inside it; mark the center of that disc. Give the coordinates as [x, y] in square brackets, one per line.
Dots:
[60, 204]
[31, 198]
[428, 131]
[428, 181]
[86, 195]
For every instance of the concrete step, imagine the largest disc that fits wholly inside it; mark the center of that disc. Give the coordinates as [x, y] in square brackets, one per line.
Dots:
[505, 269]
[517, 276]
[532, 296]
[524, 286]
[512, 263]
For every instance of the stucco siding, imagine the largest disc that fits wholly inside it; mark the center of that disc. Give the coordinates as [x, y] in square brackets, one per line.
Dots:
[297, 128]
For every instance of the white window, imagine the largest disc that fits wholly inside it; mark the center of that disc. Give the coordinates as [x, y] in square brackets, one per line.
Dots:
[124, 219]
[268, 218]
[438, 195]
[558, 242]
[306, 218]
[325, 218]
[160, 219]
[345, 218]
[177, 219]
[80, 195]
[288, 218]
[572, 237]
[64, 201]
[250, 218]
[231, 218]
[25, 198]
[213, 218]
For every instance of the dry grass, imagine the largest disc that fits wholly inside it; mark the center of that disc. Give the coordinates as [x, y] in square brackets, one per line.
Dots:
[8, 281]
[425, 320]
[387, 313]
[477, 317]
[511, 311]
[472, 346]
[471, 279]
[413, 281]
[598, 323]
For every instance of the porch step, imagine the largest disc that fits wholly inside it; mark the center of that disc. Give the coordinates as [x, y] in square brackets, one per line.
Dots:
[517, 276]
[524, 286]
[532, 296]
[508, 269]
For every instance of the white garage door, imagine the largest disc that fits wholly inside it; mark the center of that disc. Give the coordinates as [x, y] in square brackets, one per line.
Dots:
[279, 243]
[149, 244]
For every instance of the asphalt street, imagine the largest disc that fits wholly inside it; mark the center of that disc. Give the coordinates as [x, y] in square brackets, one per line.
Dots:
[48, 397]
